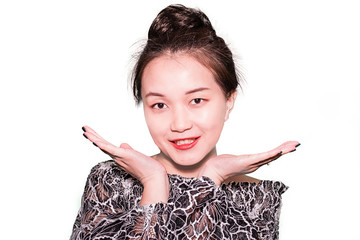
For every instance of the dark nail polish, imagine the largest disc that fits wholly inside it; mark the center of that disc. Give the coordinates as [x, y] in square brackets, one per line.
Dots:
[95, 145]
[83, 129]
[85, 136]
[293, 150]
[298, 145]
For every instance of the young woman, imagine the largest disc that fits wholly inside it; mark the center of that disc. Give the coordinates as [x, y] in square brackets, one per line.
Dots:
[187, 81]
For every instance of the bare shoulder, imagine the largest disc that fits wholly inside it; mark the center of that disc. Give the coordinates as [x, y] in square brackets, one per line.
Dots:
[242, 178]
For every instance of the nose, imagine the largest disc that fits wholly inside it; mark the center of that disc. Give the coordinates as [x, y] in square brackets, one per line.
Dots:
[181, 120]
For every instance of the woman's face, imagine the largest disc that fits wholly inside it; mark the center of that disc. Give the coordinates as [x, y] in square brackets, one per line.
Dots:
[185, 109]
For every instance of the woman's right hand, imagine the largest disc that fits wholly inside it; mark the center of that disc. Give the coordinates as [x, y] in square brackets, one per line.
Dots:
[147, 170]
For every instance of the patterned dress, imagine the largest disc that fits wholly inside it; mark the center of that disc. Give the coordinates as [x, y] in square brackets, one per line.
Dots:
[196, 209]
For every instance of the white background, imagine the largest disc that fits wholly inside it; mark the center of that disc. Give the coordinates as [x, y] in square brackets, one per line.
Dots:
[64, 64]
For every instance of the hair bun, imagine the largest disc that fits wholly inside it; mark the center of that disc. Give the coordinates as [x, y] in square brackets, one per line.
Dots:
[178, 29]
[177, 20]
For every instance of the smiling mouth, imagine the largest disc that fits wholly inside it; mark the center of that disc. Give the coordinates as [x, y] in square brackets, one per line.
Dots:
[184, 144]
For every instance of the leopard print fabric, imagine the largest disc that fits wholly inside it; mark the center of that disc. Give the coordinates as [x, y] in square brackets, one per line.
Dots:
[196, 209]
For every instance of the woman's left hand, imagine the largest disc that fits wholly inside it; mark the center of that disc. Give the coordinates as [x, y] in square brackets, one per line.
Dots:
[225, 166]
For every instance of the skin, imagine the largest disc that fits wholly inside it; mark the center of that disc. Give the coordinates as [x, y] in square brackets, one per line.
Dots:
[183, 101]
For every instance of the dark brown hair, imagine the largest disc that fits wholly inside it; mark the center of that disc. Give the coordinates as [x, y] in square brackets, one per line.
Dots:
[181, 30]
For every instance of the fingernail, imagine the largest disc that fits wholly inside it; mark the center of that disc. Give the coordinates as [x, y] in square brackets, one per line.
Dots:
[298, 145]
[95, 144]
[83, 129]
[85, 136]
[293, 150]
[280, 153]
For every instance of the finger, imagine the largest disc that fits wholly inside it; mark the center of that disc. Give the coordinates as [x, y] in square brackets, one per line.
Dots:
[266, 161]
[88, 129]
[263, 157]
[126, 146]
[107, 147]
[111, 150]
[288, 147]
[284, 148]
[98, 141]
[94, 137]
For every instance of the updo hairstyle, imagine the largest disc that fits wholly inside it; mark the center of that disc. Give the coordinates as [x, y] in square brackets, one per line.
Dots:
[181, 30]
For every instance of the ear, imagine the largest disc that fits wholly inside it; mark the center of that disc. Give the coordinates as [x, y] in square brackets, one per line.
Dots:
[230, 101]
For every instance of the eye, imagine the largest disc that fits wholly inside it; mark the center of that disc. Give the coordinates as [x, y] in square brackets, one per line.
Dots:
[197, 101]
[159, 106]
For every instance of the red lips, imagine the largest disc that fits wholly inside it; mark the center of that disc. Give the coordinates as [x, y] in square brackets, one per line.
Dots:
[185, 146]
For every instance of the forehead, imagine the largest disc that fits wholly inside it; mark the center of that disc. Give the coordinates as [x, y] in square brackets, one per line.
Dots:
[181, 72]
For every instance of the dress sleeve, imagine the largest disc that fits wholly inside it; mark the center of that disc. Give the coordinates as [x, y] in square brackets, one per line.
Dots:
[259, 205]
[110, 207]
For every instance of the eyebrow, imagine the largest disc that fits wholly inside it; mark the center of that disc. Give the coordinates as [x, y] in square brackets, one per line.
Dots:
[197, 90]
[155, 94]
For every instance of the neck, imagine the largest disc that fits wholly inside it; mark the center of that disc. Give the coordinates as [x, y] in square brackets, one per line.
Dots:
[184, 170]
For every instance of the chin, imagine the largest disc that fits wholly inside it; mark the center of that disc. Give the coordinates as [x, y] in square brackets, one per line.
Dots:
[190, 159]
[187, 162]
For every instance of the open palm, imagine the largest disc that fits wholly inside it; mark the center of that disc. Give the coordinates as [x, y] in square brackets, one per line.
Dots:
[226, 166]
[142, 167]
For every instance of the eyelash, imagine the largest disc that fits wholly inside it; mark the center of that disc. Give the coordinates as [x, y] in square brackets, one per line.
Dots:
[193, 102]
[156, 106]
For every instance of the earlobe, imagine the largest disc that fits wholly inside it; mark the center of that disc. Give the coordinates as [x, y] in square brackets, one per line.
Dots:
[230, 104]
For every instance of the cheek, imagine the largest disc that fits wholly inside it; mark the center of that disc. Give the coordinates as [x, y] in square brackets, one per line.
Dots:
[212, 118]
[156, 124]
